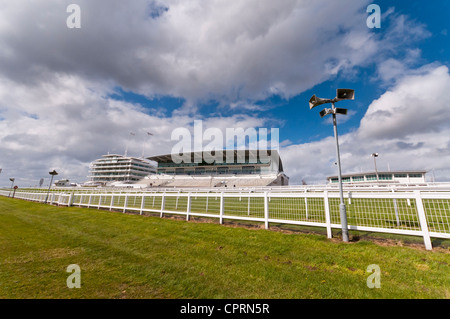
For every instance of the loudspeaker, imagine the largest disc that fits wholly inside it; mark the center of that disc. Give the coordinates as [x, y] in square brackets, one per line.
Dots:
[315, 101]
[341, 111]
[325, 112]
[345, 94]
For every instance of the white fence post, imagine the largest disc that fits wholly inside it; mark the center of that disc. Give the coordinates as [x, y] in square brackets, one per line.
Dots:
[423, 220]
[112, 202]
[70, 202]
[221, 208]
[163, 200]
[266, 211]
[89, 202]
[142, 204]
[99, 201]
[396, 210]
[125, 203]
[327, 214]
[188, 209]
[306, 206]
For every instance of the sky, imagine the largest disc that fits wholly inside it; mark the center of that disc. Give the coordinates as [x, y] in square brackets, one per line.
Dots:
[69, 95]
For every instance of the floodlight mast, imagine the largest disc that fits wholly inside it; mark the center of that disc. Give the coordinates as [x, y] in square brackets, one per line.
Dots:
[342, 208]
[12, 184]
[375, 155]
[52, 173]
[342, 94]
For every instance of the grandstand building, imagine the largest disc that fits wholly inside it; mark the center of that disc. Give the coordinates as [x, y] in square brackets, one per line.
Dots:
[117, 168]
[236, 168]
[394, 177]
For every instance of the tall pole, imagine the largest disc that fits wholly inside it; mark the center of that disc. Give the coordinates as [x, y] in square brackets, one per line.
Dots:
[376, 170]
[12, 184]
[48, 191]
[342, 208]
[375, 155]
[53, 173]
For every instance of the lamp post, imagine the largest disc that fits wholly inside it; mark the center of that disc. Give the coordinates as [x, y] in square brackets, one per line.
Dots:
[341, 94]
[12, 184]
[53, 173]
[375, 155]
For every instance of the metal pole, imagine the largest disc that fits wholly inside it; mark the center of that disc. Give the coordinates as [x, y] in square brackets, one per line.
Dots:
[342, 209]
[46, 197]
[12, 184]
[375, 162]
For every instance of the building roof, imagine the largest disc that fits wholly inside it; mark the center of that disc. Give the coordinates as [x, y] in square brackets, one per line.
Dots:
[122, 157]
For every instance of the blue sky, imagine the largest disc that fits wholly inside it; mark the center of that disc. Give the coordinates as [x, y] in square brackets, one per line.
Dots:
[435, 48]
[67, 96]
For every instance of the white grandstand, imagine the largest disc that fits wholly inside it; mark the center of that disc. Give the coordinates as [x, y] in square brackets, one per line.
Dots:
[114, 168]
[246, 168]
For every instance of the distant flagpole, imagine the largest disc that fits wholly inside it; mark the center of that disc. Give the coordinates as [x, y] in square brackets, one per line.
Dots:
[143, 146]
[126, 148]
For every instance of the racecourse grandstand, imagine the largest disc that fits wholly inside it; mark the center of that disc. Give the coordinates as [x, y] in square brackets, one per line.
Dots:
[235, 168]
[114, 168]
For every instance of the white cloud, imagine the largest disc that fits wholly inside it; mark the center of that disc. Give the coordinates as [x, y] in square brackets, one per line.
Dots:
[198, 50]
[55, 81]
[409, 126]
[417, 104]
[73, 124]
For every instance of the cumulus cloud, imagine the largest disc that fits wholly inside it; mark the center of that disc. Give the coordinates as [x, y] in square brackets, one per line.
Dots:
[229, 51]
[408, 125]
[66, 124]
[417, 104]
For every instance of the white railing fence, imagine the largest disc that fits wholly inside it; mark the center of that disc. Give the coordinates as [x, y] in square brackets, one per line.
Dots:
[415, 213]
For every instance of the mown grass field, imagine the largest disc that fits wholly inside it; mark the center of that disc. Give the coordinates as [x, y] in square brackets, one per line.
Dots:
[132, 256]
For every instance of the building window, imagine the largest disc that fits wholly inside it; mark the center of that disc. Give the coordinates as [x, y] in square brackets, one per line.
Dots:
[358, 178]
[385, 177]
[371, 177]
[400, 175]
[415, 175]
[222, 170]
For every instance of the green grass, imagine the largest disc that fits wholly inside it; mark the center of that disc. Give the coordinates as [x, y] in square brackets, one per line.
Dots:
[132, 256]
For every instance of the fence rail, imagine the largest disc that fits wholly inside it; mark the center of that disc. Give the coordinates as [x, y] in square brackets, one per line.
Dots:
[416, 213]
